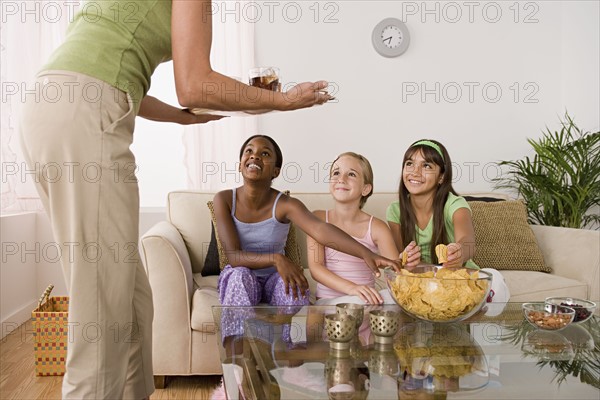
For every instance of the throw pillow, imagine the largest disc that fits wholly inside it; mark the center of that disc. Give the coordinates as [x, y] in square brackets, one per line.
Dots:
[487, 199]
[292, 250]
[503, 238]
[223, 261]
[211, 262]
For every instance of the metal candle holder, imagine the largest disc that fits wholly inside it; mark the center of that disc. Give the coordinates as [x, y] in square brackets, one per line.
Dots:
[341, 329]
[384, 325]
[355, 310]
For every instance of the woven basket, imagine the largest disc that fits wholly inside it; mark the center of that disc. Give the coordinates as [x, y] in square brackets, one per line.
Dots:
[50, 329]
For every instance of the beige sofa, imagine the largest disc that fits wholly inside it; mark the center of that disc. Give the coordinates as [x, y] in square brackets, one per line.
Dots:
[173, 253]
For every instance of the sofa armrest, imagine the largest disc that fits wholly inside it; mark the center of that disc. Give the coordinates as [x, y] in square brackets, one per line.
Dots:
[169, 270]
[572, 253]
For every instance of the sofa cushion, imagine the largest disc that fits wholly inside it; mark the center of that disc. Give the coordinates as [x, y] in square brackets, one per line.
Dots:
[201, 282]
[503, 237]
[202, 303]
[536, 286]
[186, 211]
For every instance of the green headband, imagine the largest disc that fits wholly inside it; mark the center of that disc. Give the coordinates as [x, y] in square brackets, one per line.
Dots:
[430, 144]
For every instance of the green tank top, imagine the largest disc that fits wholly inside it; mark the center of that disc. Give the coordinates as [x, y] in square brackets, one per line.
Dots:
[120, 42]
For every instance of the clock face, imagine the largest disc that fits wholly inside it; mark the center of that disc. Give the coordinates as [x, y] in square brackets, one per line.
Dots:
[390, 37]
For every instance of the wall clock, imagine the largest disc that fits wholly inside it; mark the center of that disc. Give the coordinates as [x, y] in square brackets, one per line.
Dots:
[390, 37]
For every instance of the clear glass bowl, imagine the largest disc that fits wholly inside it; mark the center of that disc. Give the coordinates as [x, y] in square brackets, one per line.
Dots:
[583, 309]
[550, 317]
[437, 294]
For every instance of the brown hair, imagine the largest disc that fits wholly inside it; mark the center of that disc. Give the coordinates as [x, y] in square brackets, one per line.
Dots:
[408, 219]
[366, 169]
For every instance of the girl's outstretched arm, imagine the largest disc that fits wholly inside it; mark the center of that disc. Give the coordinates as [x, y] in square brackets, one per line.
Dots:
[463, 248]
[331, 235]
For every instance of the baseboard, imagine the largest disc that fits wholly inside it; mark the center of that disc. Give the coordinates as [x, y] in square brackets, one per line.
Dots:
[18, 318]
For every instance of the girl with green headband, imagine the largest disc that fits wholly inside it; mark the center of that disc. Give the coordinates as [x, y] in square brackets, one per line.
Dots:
[430, 212]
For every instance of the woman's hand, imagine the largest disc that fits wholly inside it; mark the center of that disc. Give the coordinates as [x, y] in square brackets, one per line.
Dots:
[367, 294]
[292, 276]
[455, 255]
[413, 253]
[306, 94]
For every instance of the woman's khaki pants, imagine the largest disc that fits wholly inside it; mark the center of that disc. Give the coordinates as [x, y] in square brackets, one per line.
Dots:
[76, 132]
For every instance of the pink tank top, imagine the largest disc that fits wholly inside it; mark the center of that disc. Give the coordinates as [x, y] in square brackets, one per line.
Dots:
[346, 266]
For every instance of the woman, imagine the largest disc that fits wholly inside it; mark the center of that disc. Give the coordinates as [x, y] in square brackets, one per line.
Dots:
[103, 70]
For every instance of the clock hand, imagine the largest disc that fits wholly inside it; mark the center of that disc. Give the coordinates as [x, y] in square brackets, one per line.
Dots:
[389, 40]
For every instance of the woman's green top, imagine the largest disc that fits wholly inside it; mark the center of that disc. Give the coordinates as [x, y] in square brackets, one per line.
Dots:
[120, 42]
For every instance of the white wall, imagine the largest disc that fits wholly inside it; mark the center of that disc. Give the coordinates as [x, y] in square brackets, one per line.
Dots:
[554, 61]
[158, 147]
[18, 292]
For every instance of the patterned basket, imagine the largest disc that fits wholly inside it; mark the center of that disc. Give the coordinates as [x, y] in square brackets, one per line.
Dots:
[50, 329]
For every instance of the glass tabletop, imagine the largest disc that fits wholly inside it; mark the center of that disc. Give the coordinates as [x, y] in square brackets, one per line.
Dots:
[284, 353]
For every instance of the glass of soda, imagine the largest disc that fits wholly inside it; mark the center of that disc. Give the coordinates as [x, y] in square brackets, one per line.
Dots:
[265, 78]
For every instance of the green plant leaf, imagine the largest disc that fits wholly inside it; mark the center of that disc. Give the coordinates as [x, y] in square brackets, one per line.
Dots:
[560, 183]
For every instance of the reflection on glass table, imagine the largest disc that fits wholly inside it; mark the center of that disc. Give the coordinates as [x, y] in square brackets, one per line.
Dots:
[284, 353]
[573, 351]
[438, 358]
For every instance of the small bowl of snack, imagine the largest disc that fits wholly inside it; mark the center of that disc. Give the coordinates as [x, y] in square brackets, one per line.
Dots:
[583, 308]
[550, 317]
[436, 294]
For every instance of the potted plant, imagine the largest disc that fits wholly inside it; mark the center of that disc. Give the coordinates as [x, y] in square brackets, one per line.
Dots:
[560, 184]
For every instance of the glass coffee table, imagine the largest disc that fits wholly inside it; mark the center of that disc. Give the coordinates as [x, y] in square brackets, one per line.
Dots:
[284, 353]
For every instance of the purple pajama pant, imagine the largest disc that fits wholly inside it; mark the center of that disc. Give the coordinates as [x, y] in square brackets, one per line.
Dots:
[240, 286]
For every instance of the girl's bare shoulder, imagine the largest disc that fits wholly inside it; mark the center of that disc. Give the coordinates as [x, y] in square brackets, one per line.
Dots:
[379, 225]
[223, 199]
[290, 205]
[224, 195]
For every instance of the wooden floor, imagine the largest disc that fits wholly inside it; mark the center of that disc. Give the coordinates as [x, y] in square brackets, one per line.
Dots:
[18, 380]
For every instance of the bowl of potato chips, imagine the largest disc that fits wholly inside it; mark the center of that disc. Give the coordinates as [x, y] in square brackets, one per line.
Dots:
[435, 294]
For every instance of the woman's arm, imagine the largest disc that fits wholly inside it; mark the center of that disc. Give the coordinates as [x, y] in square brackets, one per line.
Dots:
[321, 274]
[196, 83]
[291, 274]
[155, 110]
[463, 248]
[331, 235]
